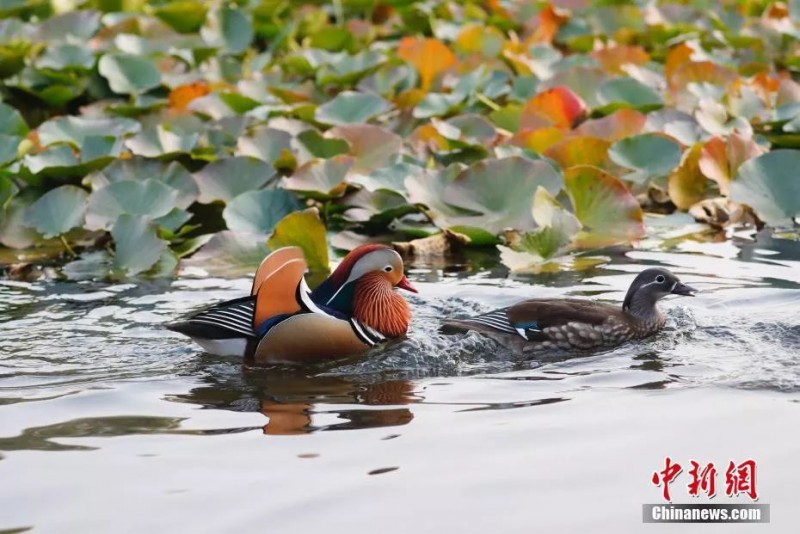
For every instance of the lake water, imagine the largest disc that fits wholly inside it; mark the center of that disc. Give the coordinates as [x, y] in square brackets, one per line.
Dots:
[110, 424]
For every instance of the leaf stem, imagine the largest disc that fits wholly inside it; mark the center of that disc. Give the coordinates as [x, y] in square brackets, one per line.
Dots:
[64, 241]
[487, 101]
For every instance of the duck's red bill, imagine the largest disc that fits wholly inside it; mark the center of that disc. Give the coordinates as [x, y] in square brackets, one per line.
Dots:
[404, 283]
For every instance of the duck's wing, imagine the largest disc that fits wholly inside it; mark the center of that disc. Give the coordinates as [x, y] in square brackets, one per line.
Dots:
[274, 261]
[558, 312]
[226, 320]
[529, 318]
[281, 293]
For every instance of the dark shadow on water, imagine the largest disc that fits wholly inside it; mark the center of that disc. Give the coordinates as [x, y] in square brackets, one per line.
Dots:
[44, 438]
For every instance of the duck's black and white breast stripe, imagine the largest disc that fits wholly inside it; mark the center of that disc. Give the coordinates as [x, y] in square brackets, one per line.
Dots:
[369, 336]
[236, 316]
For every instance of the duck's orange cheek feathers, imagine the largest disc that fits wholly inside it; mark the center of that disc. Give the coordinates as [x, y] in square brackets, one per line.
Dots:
[377, 306]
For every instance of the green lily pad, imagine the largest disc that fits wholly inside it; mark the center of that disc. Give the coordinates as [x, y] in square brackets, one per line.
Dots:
[100, 146]
[172, 221]
[8, 148]
[61, 163]
[58, 211]
[12, 57]
[14, 233]
[229, 29]
[304, 229]
[713, 117]
[11, 122]
[500, 192]
[189, 246]
[769, 185]
[185, 16]
[161, 141]
[237, 102]
[66, 56]
[8, 190]
[473, 128]
[228, 178]
[608, 212]
[320, 147]
[266, 144]
[58, 156]
[427, 188]
[137, 168]
[78, 25]
[224, 133]
[321, 179]
[648, 155]
[438, 105]
[259, 211]
[89, 266]
[626, 92]
[376, 210]
[230, 253]
[147, 198]
[343, 68]
[128, 74]
[552, 239]
[136, 243]
[350, 107]
[549, 213]
[165, 266]
[372, 146]
[75, 130]
[55, 88]
[392, 177]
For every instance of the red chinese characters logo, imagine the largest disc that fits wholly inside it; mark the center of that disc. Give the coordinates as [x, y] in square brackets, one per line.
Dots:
[704, 480]
[739, 479]
[665, 477]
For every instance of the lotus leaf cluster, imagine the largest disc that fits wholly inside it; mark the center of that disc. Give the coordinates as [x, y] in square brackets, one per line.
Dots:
[204, 134]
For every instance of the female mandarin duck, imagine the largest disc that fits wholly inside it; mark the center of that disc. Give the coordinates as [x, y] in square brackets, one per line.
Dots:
[544, 324]
[282, 321]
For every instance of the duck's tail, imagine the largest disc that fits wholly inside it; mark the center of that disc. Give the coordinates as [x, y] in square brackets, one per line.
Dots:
[493, 321]
[227, 320]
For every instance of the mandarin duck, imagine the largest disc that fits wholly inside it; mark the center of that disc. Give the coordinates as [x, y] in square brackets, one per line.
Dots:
[545, 324]
[283, 321]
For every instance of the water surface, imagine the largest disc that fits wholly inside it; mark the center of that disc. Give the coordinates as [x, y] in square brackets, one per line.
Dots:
[111, 424]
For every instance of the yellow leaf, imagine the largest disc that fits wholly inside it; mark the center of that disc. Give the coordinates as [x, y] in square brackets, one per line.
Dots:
[687, 185]
[581, 151]
[180, 97]
[429, 56]
[485, 40]
[539, 139]
[304, 229]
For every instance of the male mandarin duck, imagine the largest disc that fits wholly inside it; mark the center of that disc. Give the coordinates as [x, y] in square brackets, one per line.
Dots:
[544, 324]
[282, 321]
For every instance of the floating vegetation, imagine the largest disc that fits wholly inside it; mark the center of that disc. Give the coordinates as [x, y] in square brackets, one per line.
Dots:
[132, 140]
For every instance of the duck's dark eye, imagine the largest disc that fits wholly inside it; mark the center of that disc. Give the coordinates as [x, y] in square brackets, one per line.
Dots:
[660, 278]
[388, 268]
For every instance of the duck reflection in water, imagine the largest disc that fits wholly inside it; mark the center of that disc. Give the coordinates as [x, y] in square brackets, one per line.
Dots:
[295, 402]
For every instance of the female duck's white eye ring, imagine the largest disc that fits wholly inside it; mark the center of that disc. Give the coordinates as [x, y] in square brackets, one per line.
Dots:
[388, 268]
[660, 278]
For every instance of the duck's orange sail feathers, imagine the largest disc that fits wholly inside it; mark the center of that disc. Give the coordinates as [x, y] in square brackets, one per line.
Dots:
[277, 294]
[274, 261]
